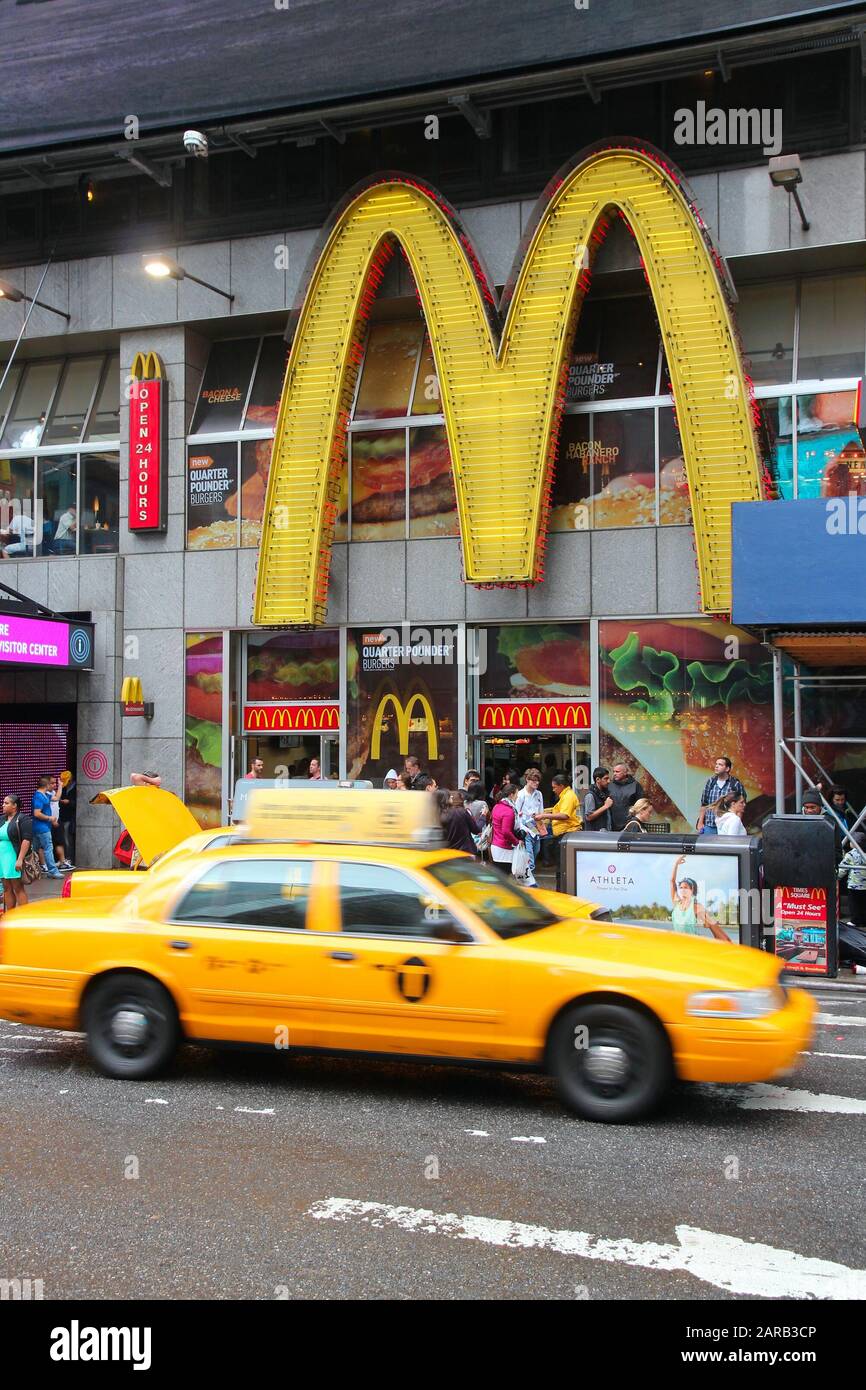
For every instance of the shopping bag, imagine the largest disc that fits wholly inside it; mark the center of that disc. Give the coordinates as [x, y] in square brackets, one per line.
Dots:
[520, 863]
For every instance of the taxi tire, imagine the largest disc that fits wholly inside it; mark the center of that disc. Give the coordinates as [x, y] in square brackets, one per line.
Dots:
[651, 1071]
[135, 991]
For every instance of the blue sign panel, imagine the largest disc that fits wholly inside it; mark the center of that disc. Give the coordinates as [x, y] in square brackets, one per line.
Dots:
[800, 564]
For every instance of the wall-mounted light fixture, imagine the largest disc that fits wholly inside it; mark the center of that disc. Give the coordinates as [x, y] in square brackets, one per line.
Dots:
[15, 296]
[785, 172]
[162, 267]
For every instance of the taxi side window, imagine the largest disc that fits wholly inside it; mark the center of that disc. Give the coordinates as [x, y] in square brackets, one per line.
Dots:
[377, 901]
[247, 893]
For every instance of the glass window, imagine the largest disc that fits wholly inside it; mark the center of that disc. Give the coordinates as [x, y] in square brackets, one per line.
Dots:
[675, 508]
[570, 507]
[268, 385]
[17, 514]
[615, 351]
[293, 666]
[57, 490]
[623, 468]
[378, 485]
[100, 503]
[8, 389]
[832, 327]
[255, 467]
[73, 401]
[432, 500]
[105, 421]
[765, 315]
[388, 370]
[830, 457]
[777, 442]
[212, 497]
[268, 893]
[25, 426]
[225, 385]
[501, 905]
[376, 900]
[428, 398]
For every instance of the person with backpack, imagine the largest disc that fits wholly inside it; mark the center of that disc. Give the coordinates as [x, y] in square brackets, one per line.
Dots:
[16, 838]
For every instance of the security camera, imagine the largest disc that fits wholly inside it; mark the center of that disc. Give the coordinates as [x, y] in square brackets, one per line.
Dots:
[195, 143]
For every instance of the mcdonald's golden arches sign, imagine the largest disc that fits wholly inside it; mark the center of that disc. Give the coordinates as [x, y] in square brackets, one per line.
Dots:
[502, 370]
[148, 444]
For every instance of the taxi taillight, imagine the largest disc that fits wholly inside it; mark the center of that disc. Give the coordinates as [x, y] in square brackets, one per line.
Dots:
[66, 890]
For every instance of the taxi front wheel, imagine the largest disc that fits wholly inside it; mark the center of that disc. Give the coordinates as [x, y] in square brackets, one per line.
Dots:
[131, 1025]
[610, 1062]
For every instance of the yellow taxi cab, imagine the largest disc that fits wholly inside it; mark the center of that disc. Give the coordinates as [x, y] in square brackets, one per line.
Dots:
[334, 920]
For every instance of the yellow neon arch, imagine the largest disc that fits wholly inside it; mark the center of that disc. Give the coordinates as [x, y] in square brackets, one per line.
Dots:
[501, 402]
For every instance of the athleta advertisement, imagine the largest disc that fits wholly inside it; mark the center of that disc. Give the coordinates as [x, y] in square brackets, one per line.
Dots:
[401, 699]
[693, 895]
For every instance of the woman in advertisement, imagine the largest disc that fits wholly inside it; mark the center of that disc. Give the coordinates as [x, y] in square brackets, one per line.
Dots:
[687, 914]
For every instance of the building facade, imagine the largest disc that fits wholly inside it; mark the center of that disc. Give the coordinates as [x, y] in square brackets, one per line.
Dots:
[613, 654]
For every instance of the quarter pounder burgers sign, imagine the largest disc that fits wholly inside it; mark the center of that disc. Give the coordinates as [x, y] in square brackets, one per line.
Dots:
[148, 446]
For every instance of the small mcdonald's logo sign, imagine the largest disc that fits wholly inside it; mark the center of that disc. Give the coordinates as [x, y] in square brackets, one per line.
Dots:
[537, 716]
[291, 718]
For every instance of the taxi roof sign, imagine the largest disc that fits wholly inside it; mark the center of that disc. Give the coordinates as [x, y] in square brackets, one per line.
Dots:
[335, 815]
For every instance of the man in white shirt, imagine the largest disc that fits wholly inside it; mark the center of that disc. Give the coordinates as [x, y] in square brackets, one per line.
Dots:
[67, 525]
[530, 803]
[18, 538]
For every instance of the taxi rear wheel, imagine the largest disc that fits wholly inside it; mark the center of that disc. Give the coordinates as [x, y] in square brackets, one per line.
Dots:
[610, 1062]
[131, 1025]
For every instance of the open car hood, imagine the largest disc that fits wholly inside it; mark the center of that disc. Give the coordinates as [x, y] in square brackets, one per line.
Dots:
[157, 820]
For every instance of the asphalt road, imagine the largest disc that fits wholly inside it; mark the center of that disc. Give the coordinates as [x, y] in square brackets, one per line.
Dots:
[254, 1176]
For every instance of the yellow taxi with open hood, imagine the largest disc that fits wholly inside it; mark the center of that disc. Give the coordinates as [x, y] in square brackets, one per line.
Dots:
[334, 920]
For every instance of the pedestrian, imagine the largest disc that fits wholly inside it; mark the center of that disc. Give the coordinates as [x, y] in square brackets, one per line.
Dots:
[16, 837]
[42, 822]
[472, 776]
[598, 802]
[68, 797]
[390, 782]
[505, 838]
[624, 790]
[729, 811]
[812, 805]
[412, 769]
[315, 772]
[58, 836]
[529, 806]
[721, 782]
[257, 769]
[149, 779]
[640, 813]
[424, 782]
[563, 816]
[853, 867]
[457, 822]
[839, 803]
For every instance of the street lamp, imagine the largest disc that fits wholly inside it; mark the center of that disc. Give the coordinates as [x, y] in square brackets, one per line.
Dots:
[162, 267]
[785, 172]
[15, 296]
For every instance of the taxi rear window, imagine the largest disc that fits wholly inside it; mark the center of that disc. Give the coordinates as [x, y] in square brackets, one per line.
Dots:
[268, 893]
[503, 906]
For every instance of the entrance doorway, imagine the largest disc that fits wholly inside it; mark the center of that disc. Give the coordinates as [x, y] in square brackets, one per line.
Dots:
[550, 753]
[289, 755]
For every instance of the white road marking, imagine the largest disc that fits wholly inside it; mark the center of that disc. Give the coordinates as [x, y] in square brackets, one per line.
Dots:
[840, 1021]
[726, 1262]
[765, 1097]
[20, 1051]
[245, 1110]
[849, 1056]
[154, 1100]
[481, 1133]
[63, 1093]
[527, 1139]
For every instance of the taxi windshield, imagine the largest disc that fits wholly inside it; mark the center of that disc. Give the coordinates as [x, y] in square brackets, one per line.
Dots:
[503, 906]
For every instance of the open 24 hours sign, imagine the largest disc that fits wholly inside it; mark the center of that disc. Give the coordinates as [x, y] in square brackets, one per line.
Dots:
[148, 445]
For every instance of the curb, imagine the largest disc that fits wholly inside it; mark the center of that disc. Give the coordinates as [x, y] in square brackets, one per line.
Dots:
[835, 986]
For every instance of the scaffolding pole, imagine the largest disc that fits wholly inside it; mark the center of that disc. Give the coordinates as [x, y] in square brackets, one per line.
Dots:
[779, 721]
[798, 734]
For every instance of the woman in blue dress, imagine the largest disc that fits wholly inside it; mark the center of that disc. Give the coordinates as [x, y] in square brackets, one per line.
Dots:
[16, 837]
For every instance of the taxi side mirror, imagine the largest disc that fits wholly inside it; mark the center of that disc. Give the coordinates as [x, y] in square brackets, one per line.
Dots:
[449, 929]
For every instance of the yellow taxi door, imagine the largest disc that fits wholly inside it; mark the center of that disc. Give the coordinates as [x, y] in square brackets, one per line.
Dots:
[242, 956]
[388, 985]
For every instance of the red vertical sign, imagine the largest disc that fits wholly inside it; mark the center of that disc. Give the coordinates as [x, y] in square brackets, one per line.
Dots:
[147, 451]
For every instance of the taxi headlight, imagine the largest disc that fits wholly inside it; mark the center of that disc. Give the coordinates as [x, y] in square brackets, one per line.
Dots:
[736, 1003]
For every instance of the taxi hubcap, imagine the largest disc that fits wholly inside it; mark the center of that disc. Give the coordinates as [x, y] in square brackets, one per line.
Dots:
[606, 1065]
[129, 1027]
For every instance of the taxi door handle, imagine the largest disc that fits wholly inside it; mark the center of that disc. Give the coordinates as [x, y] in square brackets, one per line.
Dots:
[341, 955]
[179, 945]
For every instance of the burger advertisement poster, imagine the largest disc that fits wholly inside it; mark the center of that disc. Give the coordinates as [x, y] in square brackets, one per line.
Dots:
[204, 727]
[534, 661]
[293, 666]
[401, 699]
[693, 895]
